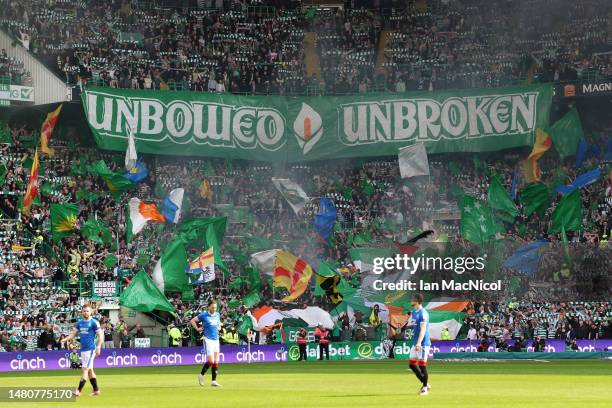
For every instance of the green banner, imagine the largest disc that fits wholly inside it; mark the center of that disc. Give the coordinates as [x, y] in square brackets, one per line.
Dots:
[313, 128]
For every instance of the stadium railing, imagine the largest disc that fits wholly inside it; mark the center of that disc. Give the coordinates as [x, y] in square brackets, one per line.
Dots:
[376, 88]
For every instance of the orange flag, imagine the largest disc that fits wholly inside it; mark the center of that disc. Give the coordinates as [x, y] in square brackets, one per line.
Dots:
[542, 144]
[46, 131]
[32, 190]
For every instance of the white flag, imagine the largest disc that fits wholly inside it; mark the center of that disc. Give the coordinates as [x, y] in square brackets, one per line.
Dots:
[413, 161]
[264, 261]
[292, 192]
[130, 154]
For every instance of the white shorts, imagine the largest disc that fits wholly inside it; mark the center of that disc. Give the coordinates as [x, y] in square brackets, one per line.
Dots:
[212, 346]
[87, 358]
[419, 355]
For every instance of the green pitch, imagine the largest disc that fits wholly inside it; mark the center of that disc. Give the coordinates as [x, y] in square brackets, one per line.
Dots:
[354, 384]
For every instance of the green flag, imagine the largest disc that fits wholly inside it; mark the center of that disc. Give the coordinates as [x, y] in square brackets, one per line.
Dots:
[253, 279]
[213, 241]
[499, 198]
[142, 295]
[233, 303]
[535, 198]
[193, 231]
[169, 272]
[96, 231]
[114, 181]
[245, 325]
[478, 223]
[559, 178]
[205, 233]
[63, 220]
[28, 165]
[568, 213]
[78, 168]
[361, 238]
[88, 195]
[566, 133]
[143, 259]
[251, 299]
[110, 261]
[48, 189]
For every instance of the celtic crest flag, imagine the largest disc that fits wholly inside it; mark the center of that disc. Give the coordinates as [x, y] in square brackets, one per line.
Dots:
[292, 192]
[478, 223]
[500, 199]
[63, 220]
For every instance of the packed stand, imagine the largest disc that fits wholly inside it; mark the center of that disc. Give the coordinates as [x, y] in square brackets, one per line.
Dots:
[258, 48]
[494, 323]
[375, 208]
[12, 71]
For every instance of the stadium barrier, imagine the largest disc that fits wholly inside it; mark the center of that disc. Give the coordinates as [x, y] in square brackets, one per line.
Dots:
[142, 357]
[169, 356]
[524, 356]
[401, 350]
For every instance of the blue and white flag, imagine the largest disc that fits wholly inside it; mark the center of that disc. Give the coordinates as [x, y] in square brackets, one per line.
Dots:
[581, 181]
[171, 208]
[526, 258]
[137, 173]
[326, 217]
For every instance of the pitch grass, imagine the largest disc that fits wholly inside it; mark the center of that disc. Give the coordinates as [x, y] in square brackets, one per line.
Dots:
[354, 384]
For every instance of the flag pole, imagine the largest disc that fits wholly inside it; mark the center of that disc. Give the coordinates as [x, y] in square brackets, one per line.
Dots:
[249, 344]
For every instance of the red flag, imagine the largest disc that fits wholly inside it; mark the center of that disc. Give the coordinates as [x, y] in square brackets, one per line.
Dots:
[32, 190]
[46, 131]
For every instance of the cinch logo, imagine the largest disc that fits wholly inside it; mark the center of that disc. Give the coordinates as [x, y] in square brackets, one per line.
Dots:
[21, 363]
[294, 353]
[308, 128]
[587, 348]
[119, 361]
[281, 354]
[200, 358]
[64, 362]
[365, 350]
[250, 356]
[166, 359]
[466, 349]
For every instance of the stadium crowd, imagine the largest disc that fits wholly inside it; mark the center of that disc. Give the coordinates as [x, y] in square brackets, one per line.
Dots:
[254, 47]
[12, 71]
[38, 277]
[257, 47]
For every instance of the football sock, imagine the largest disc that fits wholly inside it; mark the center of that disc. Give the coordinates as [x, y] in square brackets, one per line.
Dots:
[204, 368]
[215, 367]
[415, 368]
[425, 375]
[94, 383]
[82, 384]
